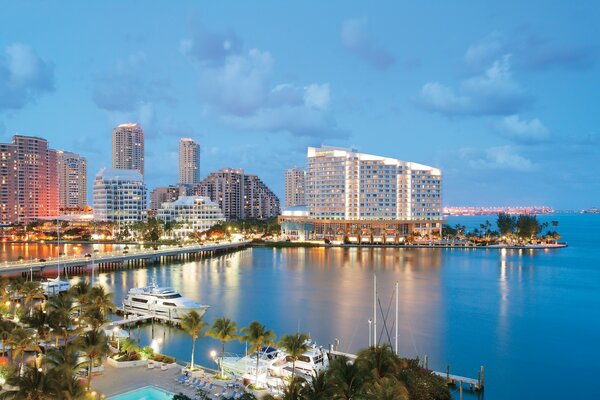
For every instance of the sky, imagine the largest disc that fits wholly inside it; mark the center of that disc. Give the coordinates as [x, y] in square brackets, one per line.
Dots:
[502, 96]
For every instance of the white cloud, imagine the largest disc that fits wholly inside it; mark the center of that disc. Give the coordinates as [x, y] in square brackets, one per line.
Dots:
[317, 96]
[497, 158]
[494, 92]
[523, 131]
[24, 77]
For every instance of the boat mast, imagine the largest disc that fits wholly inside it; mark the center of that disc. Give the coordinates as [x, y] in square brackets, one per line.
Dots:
[374, 310]
[396, 339]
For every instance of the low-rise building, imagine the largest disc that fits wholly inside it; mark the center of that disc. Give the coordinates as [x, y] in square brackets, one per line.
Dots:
[190, 214]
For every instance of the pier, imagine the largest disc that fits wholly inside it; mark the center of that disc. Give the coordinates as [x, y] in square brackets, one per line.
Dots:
[121, 259]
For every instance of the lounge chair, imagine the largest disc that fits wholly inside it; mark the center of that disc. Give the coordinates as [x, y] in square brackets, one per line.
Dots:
[222, 393]
[233, 395]
[181, 378]
[200, 385]
[192, 382]
[210, 387]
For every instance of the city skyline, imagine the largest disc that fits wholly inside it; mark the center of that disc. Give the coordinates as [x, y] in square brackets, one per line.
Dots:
[484, 105]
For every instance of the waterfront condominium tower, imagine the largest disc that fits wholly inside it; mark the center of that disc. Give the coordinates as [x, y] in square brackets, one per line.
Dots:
[295, 180]
[119, 196]
[238, 195]
[36, 179]
[8, 183]
[128, 147]
[72, 181]
[362, 197]
[189, 162]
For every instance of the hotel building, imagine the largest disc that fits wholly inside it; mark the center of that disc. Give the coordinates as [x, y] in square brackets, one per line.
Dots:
[295, 187]
[189, 162]
[193, 213]
[358, 197]
[72, 181]
[128, 147]
[119, 196]
[238, 195]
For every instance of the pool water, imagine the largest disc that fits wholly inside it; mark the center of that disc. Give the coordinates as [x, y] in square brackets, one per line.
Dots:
[145, 393]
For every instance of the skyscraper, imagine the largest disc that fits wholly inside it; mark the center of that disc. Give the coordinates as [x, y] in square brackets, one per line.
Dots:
[8, 183]
[238, 195]
[72, 181]
[128, 147]
[36, 179]
[189, 161]
[295, 181]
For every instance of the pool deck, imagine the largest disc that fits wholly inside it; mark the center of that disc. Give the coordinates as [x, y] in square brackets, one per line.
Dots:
[120, 380]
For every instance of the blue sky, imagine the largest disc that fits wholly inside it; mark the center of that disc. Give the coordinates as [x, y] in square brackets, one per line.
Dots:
[502, 96]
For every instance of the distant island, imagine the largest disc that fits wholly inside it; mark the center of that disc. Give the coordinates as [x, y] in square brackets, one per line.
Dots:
[511, 210]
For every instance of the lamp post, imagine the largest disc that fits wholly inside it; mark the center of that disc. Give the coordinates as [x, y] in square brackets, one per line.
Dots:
[115, 330]
[370, 332]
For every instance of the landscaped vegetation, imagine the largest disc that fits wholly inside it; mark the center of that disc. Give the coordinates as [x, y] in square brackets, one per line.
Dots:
[51, 347]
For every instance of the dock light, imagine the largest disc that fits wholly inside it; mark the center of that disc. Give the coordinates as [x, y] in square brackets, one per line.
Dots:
[40, 369]
[213, 354]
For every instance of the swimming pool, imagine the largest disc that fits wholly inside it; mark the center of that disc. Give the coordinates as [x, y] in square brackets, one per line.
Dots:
[144, 393]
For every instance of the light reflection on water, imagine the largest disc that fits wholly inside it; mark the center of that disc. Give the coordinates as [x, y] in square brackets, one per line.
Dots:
[531, 317]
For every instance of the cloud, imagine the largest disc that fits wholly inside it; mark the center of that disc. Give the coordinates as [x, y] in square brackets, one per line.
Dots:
[356, 38]
[523, 131]
[497, 158]
[24, 77]
[240, 86]
[128, 88]
[529, 52]
[241, 92]
[210, 47]
[494, 92]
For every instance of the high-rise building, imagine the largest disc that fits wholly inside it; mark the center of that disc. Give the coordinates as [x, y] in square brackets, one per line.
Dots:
[259, 201]
[128, 147]
[193, 213]
[163, 194]
[72, 181]
[36, 179]
[295, 182]
[189, 162]
[367, 197]
[8, 183]
[239, 196]
[119, 196]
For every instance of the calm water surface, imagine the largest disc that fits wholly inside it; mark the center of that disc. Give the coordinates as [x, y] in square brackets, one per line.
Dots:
[532, 318]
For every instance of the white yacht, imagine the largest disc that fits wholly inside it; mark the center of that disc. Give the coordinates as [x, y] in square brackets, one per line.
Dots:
[274, 364]
[54, 286]
[160, 302]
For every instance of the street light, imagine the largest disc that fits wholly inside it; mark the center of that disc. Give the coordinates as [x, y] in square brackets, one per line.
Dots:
[370, 332]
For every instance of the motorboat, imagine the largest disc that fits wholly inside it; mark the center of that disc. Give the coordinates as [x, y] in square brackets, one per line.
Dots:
[160, 302]
[54, 286]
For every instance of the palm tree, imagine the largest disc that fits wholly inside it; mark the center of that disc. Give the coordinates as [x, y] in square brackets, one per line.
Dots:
[39, 322]
[193, 324]
[81, 292]
[32, 385]
[379, 361]
[258, 336]
[6, 327]
[102, 299]
[94, 344]
[224, 330]
[295, 345]
[346, 378]
[20, 340]
[317, 388]
[30, 291]
[388, 388]
[60, 309]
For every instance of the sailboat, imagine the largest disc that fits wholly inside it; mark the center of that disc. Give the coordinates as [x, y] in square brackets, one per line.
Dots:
[54, 286]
